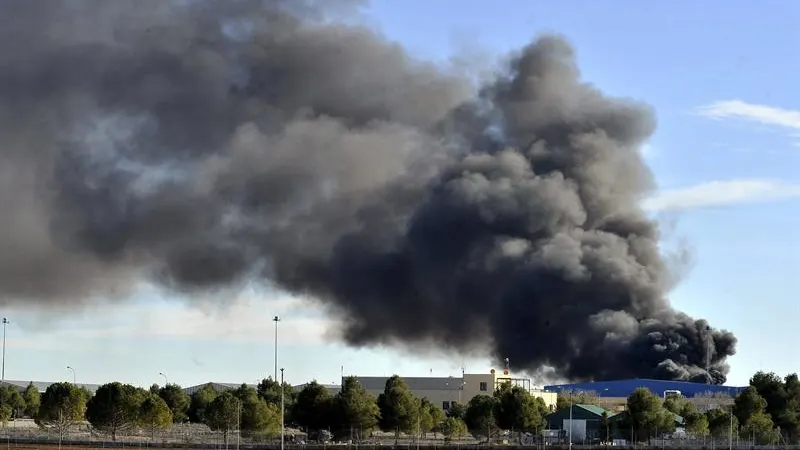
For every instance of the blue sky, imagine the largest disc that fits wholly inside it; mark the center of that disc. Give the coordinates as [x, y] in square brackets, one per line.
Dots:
[725, 155]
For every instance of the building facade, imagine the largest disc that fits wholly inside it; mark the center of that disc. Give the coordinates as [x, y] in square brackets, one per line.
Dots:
[445, 391]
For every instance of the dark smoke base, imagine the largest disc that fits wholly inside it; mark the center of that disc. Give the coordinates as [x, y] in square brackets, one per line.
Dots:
[206, 143]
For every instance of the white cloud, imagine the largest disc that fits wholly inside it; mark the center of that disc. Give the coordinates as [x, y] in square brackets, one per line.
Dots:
[723, 193]
[763, 114]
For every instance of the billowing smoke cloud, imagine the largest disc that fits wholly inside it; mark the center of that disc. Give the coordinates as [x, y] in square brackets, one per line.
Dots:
[202, 144]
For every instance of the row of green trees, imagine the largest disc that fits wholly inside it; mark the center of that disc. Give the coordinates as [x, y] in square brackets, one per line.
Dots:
[766, 412]
[118, 408]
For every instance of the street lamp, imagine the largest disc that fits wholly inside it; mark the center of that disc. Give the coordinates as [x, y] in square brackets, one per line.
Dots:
[282, 402]
[73, 374]
[570, 420]
[3, 375]
[166, 380]
[276, 319]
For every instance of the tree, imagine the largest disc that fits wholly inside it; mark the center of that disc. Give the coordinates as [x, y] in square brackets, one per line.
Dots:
[747, 404]
[355, 408]
[606, 424]
[11, 397]
[453, 428]
[457, 410]
[676, 405]
[480, 415]
[398, 407]
[200, 401]
[115, 407]
[154, 414]
[313, 408]
[772, 389]
[256, 414]
[789, 420]
[270, 390]
[697, 424]
[62, 405]
[223, 413]
[32, 400]
[517, 409]
[5, 414]
[719, 423]
[436, 417]
[750, 409]
[761, 428]
[177, 401]
[647, 415]
[429, 416]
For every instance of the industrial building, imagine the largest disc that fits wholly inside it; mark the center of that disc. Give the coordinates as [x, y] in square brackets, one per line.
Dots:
[586, 422]
[444, 391]
[333, 389]
[614, 394]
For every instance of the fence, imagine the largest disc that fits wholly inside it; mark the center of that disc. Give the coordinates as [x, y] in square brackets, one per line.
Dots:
[26, 435]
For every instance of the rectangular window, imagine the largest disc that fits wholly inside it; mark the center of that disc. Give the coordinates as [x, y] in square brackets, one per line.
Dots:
[483, 386]
[445, 405]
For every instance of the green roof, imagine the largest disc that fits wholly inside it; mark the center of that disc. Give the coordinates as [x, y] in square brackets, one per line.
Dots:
[594, 409]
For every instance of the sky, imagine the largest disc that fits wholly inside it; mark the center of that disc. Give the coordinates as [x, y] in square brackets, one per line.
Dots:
[725, 155]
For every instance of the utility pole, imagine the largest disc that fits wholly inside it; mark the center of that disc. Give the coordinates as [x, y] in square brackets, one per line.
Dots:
[283, 414]
[419, 413]
[730, 432]
[3, 376]
[276, 319]
[570, 420]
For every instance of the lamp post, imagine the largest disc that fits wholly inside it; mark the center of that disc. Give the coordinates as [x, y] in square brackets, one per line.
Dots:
[283, 414]
[419, 413]
[3, 375]
[73, 374]
[570, 420]
[276, 319]
[166, 380]
[730, 432]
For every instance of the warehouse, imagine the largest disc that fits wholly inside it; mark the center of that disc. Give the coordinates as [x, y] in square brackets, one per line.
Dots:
[614, 394]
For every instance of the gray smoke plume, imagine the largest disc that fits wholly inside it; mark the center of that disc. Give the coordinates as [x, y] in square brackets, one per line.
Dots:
[202, 144]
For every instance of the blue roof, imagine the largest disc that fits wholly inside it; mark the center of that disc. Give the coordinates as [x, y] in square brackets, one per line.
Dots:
[624, 388]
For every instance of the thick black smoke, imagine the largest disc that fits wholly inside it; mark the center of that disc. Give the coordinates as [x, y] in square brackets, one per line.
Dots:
[205, 143]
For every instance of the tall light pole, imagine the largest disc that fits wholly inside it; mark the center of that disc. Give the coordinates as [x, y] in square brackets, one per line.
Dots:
[282, 403]
[166, 380]
[570, 420]
[3, 375]
[276, 319]
[73, 374]
[730, 432]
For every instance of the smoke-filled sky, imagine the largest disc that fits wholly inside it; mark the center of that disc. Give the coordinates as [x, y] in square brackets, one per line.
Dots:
[207, 147]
